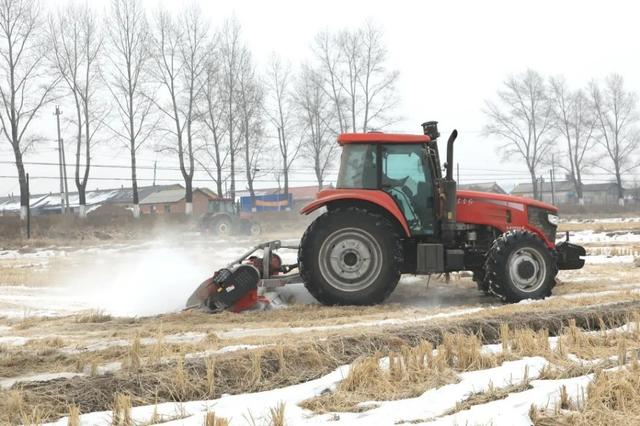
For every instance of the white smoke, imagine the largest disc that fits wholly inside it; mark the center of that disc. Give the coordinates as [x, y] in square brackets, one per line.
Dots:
[146, 282]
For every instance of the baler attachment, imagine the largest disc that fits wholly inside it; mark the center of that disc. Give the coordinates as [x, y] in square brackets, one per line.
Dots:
[247, 282]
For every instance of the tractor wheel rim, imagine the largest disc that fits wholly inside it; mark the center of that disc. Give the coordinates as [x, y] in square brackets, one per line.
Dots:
[223, 228]
[527, 269]
[350, 259]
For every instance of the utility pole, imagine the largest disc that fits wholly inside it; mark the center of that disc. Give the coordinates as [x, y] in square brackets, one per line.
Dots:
[63, 206]
[458, 173]
[28, 208]
[155, 164]
[64, 170]
[551, 179]
[553, 191]
[541, 188]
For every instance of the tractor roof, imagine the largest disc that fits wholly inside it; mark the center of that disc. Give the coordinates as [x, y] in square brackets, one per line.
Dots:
[379, 137]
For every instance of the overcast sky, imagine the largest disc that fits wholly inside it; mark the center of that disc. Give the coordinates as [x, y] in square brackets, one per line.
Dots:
[452, 56]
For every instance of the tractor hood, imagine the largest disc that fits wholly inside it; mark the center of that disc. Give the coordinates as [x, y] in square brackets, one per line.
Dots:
[517, 203]
[504, 212]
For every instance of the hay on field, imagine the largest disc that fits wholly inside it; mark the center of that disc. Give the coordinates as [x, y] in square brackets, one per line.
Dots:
[293, 363]
[611, 400]
[408, 373]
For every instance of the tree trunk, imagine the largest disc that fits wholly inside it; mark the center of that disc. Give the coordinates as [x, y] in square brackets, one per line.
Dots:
[248, 167]
[82, 200]
[534, 185]
[134, 184]
[286, 178]
[286, 185]
[188, 195]
[619, 186]
[318, 172]
[24, 195]
[219, 184]
[579, 188]
[22, 181]
[218, 168]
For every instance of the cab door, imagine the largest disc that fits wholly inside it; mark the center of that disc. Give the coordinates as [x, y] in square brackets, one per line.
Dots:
[406, 177]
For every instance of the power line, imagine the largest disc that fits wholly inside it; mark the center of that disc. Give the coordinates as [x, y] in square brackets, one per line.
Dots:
[479, 172]
[157, 179]
[174, 169]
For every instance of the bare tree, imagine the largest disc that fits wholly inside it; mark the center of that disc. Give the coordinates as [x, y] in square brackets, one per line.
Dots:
[575, 121]
[522, 118]
[329, 60]
[181, 56]
[231, 52]
[378, 85]
[317, 117]
[212, 115]
[128, 36]
[24, 86]
[250, 102]
[353, 66]
[77, 42]
[616, 117]
[280, 110]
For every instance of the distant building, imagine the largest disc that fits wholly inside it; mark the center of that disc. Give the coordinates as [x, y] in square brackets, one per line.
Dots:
[483, 187]
[601, 194]
[300, 194]
[43, 204]
[172, 201]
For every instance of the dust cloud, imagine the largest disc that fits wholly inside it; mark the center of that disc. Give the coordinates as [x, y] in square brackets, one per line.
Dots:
[146, 282]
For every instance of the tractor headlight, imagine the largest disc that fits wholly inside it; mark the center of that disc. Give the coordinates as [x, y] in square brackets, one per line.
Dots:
[553, 219]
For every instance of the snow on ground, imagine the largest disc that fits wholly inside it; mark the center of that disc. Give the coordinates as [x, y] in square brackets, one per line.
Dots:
[101, 345]
[586, 237]
[246, 332]
[430, 408]
[13, 340]
[7, 383]
[602, 220]
[432, 403]
[604, 259]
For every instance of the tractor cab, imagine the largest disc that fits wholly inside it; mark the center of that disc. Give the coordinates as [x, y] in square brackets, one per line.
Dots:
[397, 166]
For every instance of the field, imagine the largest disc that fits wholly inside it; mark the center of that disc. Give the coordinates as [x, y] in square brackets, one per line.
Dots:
[93, 333]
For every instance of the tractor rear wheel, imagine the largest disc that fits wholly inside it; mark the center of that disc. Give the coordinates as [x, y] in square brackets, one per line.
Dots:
[255, 229]
[222, 227]
[350, 257]
[520, 266]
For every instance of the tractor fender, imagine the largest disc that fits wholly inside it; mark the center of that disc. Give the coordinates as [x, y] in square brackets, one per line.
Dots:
[379, 198]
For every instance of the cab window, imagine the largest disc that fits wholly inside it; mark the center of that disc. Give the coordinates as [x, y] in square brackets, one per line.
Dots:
[405, 176]
[358, 167]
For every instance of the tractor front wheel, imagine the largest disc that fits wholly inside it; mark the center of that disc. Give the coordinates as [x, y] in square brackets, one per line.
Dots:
[520, 266]
[350, 257]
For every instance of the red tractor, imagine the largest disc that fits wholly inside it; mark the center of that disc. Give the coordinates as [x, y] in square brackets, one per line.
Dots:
[393, 213]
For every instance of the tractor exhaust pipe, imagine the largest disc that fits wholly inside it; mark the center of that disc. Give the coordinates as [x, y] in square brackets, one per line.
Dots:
[449, 164]
[448, 194]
